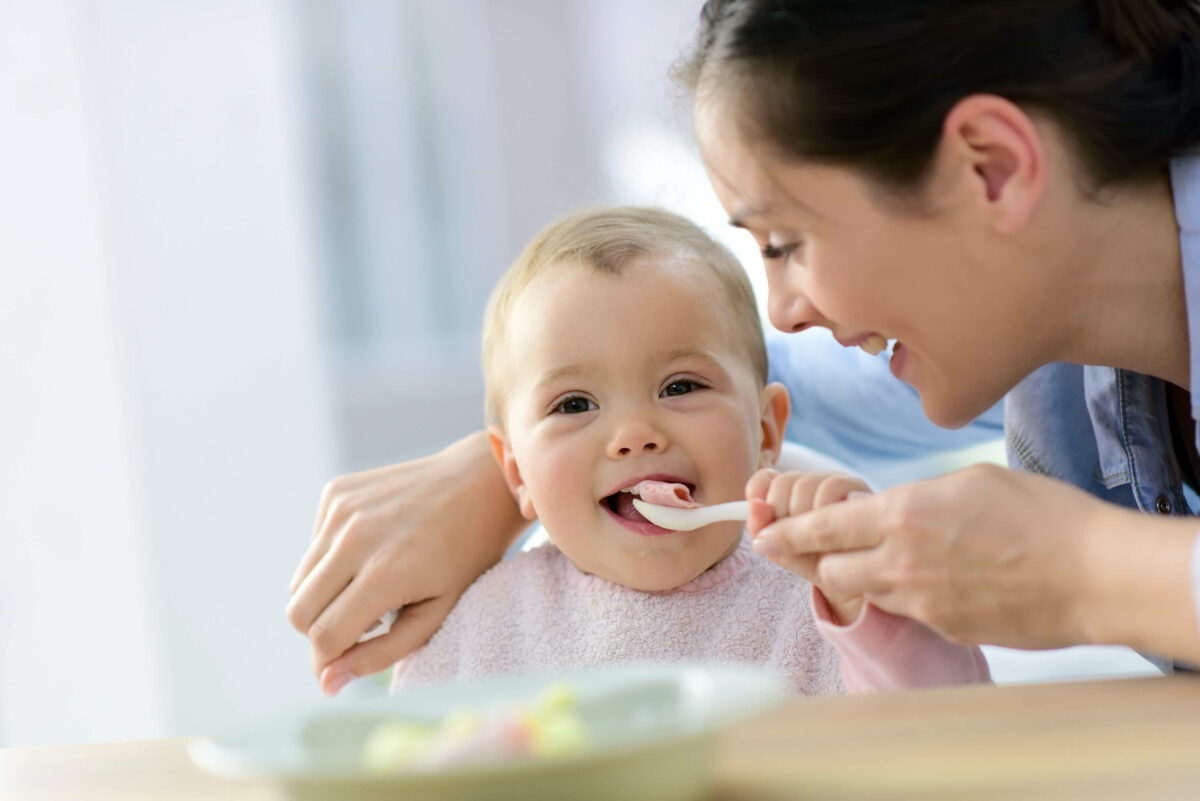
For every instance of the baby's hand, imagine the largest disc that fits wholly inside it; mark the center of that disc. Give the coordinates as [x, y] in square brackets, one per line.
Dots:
[774, 496]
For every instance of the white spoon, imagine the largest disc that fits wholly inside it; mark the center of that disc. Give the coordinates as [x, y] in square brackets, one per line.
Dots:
[380, 627]
[689, 519]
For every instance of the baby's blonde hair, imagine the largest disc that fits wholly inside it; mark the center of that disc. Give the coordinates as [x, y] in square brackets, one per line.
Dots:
[606, 240]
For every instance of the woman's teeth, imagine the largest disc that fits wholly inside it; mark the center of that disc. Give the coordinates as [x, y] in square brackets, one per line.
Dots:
[874, 344]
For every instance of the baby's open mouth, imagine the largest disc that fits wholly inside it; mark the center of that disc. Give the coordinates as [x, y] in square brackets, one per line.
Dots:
[620, 503]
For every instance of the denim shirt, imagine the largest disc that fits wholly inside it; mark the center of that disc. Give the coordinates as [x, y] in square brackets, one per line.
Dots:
[1105, 429]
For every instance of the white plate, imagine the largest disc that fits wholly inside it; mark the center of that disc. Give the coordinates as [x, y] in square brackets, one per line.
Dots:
[651, 727]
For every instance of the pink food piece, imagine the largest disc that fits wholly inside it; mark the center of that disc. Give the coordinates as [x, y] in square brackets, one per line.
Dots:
[664, 493]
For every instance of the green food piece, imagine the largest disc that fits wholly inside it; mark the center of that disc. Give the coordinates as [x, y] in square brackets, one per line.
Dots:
[550, 726]
[394, 745]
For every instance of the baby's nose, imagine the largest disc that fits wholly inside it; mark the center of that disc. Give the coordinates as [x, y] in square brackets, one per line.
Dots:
[636, 437]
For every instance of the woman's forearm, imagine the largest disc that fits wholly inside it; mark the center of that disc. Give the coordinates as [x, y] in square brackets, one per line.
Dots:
[1136, 585]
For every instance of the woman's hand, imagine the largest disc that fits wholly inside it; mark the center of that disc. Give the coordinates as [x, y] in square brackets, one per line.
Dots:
[988, 555]
[413, 535]
[775, 496]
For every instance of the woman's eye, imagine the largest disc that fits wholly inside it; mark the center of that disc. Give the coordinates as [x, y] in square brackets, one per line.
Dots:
[574, 405]
[681, 386]
[773, 252]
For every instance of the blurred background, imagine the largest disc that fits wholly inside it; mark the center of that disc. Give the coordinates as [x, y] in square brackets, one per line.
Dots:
[244, 247]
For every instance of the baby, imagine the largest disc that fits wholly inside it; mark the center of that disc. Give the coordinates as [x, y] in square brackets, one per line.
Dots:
[624, 346]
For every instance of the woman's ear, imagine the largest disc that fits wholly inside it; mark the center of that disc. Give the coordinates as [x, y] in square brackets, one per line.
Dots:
[1000, 151]
[502, 450]
[775, 406]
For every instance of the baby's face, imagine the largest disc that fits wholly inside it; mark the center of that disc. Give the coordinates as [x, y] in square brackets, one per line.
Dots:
[615, 379]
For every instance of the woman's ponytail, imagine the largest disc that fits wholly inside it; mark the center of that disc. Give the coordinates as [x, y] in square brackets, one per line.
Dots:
[1148, 29]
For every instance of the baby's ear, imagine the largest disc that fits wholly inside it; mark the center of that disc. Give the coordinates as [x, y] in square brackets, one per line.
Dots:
[775, 407]
[502, 450]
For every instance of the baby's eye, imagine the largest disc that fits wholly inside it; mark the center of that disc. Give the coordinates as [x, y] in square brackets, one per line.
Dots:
[576, 404]
[681, 386]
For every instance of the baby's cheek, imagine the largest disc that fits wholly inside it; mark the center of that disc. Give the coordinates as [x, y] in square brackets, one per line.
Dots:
[734, 451]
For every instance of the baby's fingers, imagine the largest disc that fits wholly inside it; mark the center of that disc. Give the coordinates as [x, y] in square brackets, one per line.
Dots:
[756, 487]
[836, 488]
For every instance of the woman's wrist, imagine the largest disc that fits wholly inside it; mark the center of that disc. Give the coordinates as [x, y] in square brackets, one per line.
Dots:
[1136, 584]
[472, 455]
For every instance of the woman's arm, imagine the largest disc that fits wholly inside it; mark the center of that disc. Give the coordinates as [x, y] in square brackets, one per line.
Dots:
[988, 555]
[413, 535]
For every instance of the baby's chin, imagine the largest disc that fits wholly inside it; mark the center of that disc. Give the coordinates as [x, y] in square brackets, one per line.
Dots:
[653, 570]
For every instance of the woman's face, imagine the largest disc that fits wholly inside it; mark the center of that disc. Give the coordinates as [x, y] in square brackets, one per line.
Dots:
[841, 255]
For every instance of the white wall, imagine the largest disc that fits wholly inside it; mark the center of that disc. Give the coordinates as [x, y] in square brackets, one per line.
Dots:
[77, 659]
[164, 420]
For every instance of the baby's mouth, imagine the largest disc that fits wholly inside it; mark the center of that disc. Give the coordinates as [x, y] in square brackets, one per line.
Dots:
[620, 503]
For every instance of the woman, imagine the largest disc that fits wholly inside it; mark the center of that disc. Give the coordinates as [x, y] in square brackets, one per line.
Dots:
[1002, 190]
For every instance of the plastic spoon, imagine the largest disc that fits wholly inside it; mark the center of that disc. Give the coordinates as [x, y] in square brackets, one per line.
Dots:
[688, 519]
[380, 627]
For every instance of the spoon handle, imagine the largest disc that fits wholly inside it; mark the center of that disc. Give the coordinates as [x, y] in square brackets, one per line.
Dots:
[734, 510]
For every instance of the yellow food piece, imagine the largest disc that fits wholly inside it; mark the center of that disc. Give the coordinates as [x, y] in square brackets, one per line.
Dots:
[394, 745]
[548, 726]
[554, 725]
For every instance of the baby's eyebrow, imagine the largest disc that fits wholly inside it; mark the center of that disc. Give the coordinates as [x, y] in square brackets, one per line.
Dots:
[689, 353]
[556, 373]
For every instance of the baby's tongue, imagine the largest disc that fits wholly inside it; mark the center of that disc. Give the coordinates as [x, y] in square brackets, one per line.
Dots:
[625, 508]
[664, 493]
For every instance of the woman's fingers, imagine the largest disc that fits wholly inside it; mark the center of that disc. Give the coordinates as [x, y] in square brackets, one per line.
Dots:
[850, 574]
[355, 608]
[412, 629]
[837, 527]
[399, 535]
[321, 586]
[331, 517]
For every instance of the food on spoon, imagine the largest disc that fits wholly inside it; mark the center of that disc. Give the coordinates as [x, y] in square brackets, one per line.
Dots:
[548, 726]
[664, 493]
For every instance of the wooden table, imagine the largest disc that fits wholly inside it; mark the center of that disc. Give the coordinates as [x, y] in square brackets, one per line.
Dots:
[1122, 739]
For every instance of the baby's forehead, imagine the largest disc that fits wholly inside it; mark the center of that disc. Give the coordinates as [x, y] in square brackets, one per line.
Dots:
[696, 274]
[654, 307]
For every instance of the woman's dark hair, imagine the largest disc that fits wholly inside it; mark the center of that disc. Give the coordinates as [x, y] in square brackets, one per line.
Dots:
[868, 83]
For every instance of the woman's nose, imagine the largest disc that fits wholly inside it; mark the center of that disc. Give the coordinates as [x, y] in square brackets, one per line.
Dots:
[787, 307]
[634, 437]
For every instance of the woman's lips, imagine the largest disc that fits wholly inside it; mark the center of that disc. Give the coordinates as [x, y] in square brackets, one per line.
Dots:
[896, 363]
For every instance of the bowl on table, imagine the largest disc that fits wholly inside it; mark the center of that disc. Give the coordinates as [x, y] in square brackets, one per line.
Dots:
[650, 731]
